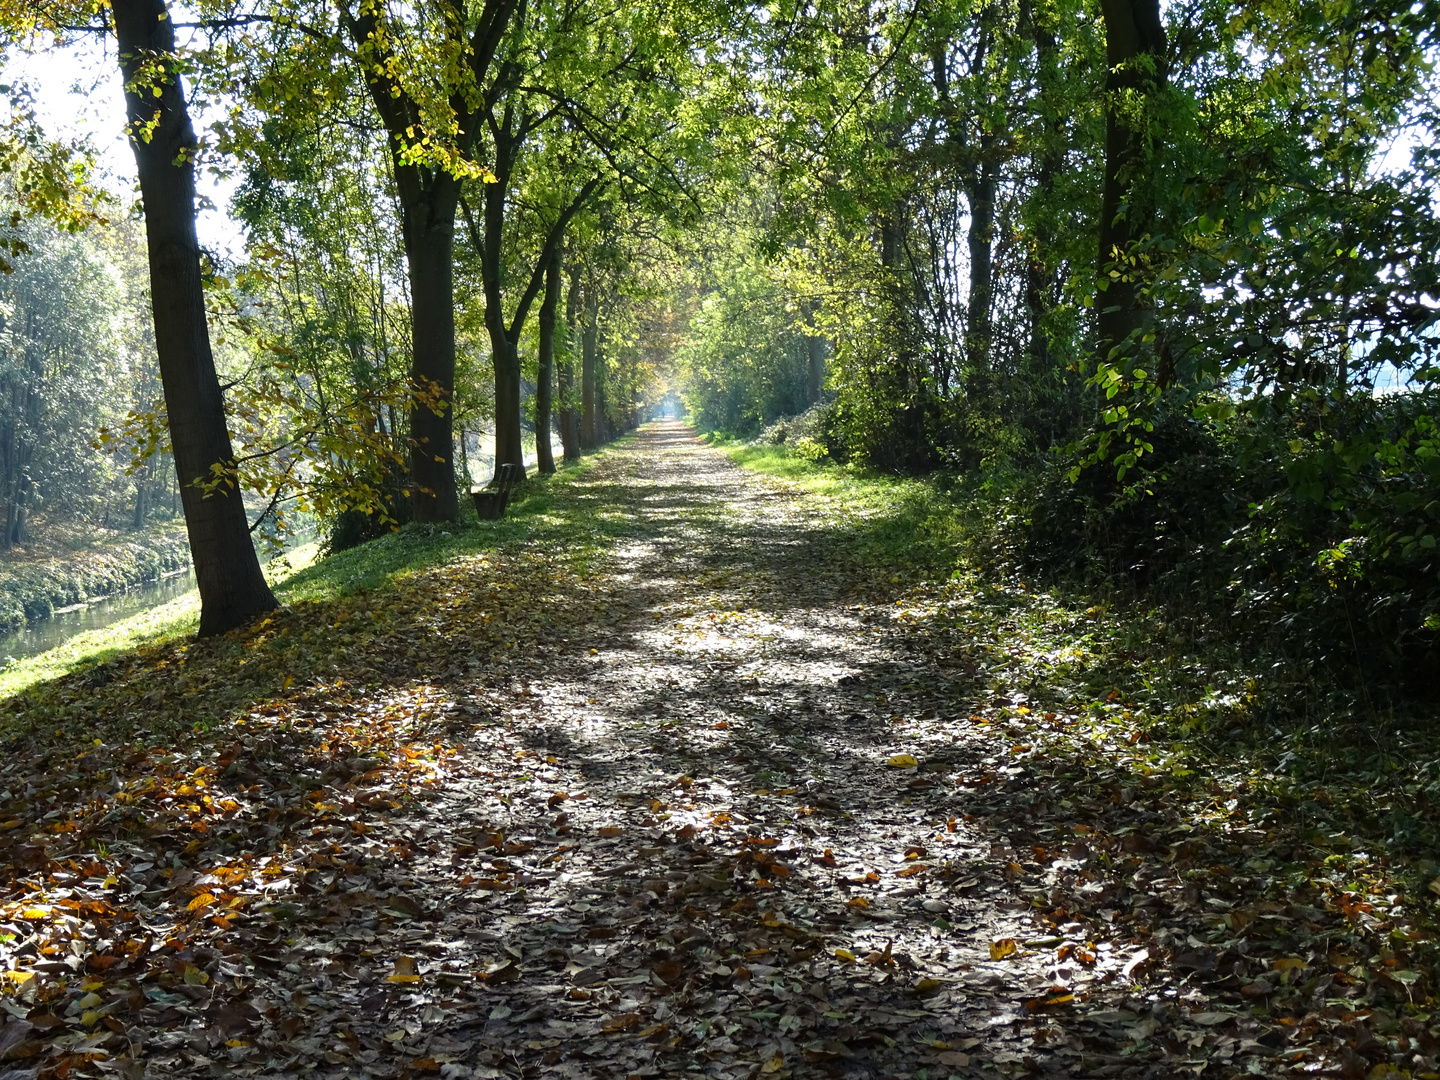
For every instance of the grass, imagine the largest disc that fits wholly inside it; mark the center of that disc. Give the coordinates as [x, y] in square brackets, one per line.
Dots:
[915, 526]
[1209, 707]
[303, 580]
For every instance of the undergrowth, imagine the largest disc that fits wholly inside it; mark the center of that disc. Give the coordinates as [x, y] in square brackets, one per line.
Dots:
[1208, 701]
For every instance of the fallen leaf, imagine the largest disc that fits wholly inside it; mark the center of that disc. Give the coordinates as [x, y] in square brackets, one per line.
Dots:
[902, 761]
[1003, 948]
[404, 971]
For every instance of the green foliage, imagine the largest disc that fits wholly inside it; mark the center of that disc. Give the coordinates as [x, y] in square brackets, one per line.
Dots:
[33, 591]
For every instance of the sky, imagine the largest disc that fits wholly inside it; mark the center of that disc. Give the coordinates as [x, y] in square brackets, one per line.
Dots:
[78, 93]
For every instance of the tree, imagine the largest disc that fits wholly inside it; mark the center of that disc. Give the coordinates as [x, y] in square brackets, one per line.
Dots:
[227, 571]
[433, 128]
[1135, 57]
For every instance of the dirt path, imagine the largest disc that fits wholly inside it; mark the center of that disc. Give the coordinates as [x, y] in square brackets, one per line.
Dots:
[706, 797]
[721, 874]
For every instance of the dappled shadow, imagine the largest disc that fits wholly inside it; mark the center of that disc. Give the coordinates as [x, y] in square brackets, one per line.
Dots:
[631, 808]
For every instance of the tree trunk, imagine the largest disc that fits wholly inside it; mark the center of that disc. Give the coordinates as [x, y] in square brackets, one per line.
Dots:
[815, 350]
[1039, 277]
[232, 588]
[980, 193]
[568, 417]
[548, 308]
[589, 340]
[1135, 58]
[429, 229]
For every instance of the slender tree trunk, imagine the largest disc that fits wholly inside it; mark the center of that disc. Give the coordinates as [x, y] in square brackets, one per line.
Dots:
[569, 419]
[815, 351]
[10, 489]
[1135, 58]
[981, 241]
[589, 340]
[232, 588]
[548, 308]
[1039, 277]
[504, 356]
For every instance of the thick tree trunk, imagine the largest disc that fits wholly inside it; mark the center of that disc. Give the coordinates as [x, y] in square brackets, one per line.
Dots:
[429, 230]
[568, 414]
[548, 308]
[1135, 58]
[232, 588]
[589, 342]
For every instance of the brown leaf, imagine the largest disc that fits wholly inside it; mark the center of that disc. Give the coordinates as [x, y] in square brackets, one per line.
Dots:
[625, 1022]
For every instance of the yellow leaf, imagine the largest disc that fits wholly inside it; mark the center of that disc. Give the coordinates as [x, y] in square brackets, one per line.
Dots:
[903, 761]
[195, 977]
[35, 913]
[90, 1018]
[1289, 963]
[774, 1065]
[19, 978]
[13, 823]
[926, 986]
[201, 900]
[845, 955]
[857, 901]
[404, 971]
[1003, 948]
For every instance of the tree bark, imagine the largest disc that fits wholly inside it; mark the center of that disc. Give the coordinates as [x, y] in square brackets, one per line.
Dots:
[548, 308]
[568, 417]
[428, 225]
[980, 193]
[589, 340]
[428, 199]
[1135, 59]
[1040, 277]
[815, 350]
[232, 588]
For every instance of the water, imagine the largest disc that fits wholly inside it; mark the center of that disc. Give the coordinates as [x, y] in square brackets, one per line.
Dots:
[48, 633]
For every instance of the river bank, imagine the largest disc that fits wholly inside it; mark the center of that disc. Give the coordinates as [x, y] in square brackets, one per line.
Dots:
[34, 591]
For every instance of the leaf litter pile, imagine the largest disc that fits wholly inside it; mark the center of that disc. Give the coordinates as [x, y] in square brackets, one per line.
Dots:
[706, 797]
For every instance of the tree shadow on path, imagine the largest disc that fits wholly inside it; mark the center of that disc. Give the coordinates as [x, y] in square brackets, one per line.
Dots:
[629, 811]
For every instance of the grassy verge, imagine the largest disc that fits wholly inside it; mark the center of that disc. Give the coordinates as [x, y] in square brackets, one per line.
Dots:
[1350, 794]
[41, 691]
[33, 590]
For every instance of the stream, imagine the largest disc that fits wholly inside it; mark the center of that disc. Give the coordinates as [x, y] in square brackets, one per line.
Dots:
[46, 634]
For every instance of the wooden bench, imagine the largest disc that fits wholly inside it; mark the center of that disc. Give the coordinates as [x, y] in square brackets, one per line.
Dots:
[490, 502]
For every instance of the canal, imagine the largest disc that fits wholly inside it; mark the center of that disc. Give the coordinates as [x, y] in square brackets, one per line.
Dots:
[46, 634]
